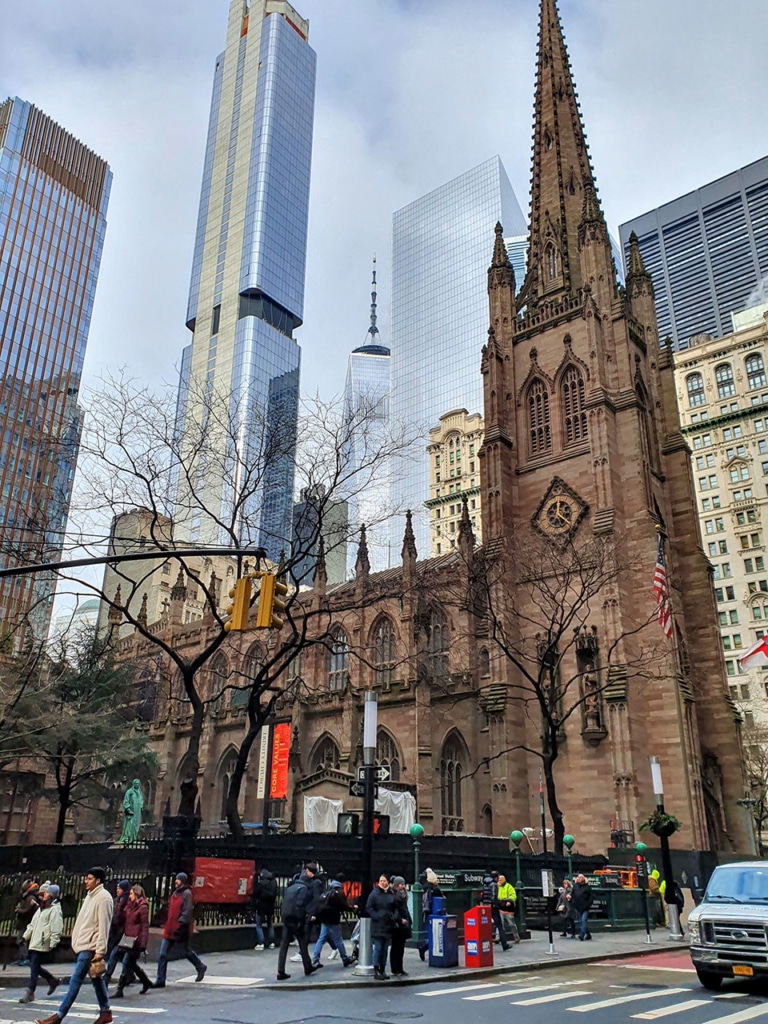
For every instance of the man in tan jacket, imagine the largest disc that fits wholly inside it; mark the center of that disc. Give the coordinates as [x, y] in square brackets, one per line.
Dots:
[89, 943]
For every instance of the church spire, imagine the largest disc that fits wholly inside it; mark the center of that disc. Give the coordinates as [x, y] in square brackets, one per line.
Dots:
[560, 174]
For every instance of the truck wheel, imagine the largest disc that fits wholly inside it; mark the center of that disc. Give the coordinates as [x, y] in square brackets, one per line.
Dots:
[710, 980]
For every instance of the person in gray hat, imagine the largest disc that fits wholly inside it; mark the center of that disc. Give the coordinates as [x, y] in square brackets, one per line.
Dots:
[403, 927]
[43, 935]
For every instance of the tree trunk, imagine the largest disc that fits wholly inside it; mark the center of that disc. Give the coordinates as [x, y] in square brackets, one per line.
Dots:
[554, 809]
[65, 791]
[256, 718]
[192, 754]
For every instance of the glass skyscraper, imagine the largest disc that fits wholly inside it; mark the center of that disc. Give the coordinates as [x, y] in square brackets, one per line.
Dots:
[53, 204]
[247, 286]
[707, 253]
[441, 248]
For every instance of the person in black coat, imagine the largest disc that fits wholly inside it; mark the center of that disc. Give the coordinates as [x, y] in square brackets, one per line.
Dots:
[264, 897]
[581, 900]
[402, 927]
[429, 881]
[381, 910]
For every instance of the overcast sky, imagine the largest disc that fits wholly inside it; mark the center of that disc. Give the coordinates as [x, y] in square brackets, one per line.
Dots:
[410, 93]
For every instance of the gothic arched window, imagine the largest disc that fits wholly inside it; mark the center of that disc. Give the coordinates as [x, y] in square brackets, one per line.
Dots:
[694, 384]
[437, 646]
[218, 675]
[388, 754]
[539, 429]
[755, 371]
[485, 663]
[724, 380]
[383, 652]
[550, 258]
[326, 755]
[452, 764]
[338, 661]
[574, 416]
[226, 771]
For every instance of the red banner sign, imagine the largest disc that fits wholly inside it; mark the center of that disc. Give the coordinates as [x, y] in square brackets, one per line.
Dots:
[278, 779]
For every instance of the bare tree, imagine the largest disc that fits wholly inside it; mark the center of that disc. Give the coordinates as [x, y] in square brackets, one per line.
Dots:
[755, 739]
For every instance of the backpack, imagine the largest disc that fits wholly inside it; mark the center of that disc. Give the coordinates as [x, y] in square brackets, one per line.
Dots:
[295, 901]
[328, 905]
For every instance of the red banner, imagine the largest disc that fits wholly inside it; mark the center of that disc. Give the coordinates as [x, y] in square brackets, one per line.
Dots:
[281, 743]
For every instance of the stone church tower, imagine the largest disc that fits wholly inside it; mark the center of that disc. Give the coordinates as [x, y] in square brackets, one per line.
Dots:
[583, 445]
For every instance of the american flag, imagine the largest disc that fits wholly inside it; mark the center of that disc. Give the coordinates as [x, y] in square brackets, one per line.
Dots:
[660, 592]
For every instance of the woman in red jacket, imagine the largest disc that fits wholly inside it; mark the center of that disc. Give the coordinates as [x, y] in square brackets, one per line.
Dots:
[134, 941]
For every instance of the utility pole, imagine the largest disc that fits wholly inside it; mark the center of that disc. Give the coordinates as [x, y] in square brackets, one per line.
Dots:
[370, 725]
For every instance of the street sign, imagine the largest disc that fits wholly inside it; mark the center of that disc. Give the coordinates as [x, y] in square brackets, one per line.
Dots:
[547, 882]
[381, 772]
[357, 788]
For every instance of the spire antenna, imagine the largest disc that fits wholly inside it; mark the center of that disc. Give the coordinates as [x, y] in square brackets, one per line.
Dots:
[373, 330]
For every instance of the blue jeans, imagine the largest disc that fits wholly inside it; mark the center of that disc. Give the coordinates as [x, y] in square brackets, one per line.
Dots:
[581, 924]
[162, 960]
[114, 956]
[79, 975]
[265, 930]
[379, 956]
[330, 933]
[36, 970]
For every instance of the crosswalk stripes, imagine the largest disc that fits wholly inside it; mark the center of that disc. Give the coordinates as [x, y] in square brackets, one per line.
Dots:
[221, 981]
[742, 1015]
[499, 988]
[603, 1004]
[513, 990]
[553, 997]
[91, 1008]
[668, 1011]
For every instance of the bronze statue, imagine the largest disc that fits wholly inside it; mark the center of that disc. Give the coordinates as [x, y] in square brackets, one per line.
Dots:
[133, 805]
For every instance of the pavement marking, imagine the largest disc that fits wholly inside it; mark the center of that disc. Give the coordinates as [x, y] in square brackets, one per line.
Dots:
[667, 1011]
[736, 1018]
[533, 988]
[646, 967]
[603, 1003]
[90, 1007]
[551, 998]
[228, 982]
[451, 989]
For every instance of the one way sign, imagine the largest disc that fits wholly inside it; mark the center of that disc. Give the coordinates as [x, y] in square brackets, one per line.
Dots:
[357, 788]
[381, 772]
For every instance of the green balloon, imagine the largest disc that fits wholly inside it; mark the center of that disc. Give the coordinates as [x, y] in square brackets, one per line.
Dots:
[416, 830]
[641, 847]
[516, 837]
[568, 841]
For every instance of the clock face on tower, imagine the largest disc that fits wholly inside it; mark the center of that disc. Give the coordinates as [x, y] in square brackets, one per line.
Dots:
[557, 515]
[560, 512]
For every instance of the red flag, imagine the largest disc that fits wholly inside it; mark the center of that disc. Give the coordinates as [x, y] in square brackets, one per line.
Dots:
[660, 592]
[756, 656]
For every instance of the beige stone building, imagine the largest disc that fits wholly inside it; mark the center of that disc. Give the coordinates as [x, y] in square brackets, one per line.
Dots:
[454, 471]
[722, 394]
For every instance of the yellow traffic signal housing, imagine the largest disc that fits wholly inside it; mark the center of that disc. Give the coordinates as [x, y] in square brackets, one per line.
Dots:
[241, 603]
[271, 603]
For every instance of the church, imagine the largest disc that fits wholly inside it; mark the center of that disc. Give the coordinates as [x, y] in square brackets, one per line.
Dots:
[541, 654]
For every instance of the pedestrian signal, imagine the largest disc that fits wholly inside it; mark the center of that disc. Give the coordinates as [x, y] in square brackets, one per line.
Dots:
[241, 602]
[271, 604]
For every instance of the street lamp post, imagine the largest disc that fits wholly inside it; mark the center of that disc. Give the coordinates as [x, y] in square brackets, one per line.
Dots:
[673, 911]
[417, 831]
[364, 967]
[642, 884]
[568, 842]
[516, 838]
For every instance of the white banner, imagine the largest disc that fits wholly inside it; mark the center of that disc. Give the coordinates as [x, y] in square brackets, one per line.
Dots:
[261, 784]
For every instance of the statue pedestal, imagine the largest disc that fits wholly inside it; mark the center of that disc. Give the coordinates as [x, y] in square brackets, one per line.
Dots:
[180, 826]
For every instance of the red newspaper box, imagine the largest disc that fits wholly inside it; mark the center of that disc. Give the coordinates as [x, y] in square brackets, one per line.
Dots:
[478, 937]
[218, 880]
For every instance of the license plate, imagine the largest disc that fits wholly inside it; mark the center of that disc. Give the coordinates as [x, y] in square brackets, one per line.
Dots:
[742, 971]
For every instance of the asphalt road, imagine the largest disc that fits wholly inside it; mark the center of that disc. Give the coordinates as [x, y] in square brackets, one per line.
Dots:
[614, 992]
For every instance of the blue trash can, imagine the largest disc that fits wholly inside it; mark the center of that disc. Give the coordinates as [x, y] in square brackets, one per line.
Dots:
[443, 938]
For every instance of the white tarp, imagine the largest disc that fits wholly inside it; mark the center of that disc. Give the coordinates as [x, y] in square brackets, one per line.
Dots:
[401, 808]
[320, 813]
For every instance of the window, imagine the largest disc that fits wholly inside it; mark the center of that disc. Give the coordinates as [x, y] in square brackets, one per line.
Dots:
[722, 547]
[733, 616]
[737, 639]
[755, 539]
[737, 473]
[485, 663]
[722, 618]
[694, 383]
[748, 565]
[383, 652]
[706, 504]
[216, 319]
[326, 755]
[718, 594]
[451, 776]
[726, 643]
[709, 526]
[729, 592]
[712, 549]
[387, 754]
[715, 501]
[437, 645]
[719, 525]
[575, 418]
[744, 691]
[724, 380]
[755, 372]
[731, 671]
[338, 662]
[539, 430]
[226, 772]
[550, 256]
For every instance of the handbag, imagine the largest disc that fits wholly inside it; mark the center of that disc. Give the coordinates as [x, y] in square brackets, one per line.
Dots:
[97, 968]
[127, 942]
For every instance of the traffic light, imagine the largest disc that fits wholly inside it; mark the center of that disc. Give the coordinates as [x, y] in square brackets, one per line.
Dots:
[271, 604]
[241, 603]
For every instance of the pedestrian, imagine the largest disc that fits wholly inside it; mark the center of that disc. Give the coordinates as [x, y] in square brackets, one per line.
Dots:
[117, 927]
[678, 899]
[565, 909]
[581, 900]
[264, 899]
[403, 927]
[381, 910]
[490, 897]
[316, 889]
[431, 890]
[507, 897]
[656, 890]
[297, 900]
[89, 943]
[178, 929]
[42, 937]
[333, 903]
[23, 912]
[134, 941]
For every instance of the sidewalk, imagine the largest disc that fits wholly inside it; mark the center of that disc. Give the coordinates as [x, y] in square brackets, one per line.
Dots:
[245, 968]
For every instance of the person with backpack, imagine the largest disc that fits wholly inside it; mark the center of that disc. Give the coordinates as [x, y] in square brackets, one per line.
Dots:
[331, 905]
[178, 929]
[42, 937]
[264, 899]
[298, 900]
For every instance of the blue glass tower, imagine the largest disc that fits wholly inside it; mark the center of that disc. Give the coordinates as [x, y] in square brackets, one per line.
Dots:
[53, 204]
[440, 246]
[247, 286]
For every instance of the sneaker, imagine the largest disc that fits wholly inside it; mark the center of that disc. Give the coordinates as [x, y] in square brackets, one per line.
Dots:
[283, 977]
[333, 955]
[296, 958]
[257, 948]
[28, 997]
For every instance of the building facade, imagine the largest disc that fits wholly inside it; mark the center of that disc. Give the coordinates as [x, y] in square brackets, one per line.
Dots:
[722, 392]
[706, 252]
[247, 287]
[439, 257]
[454, 447]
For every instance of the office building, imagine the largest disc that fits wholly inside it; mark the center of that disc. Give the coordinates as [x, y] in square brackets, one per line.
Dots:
[366, 413]
[453, 449]
[706, 252]
[320, 534]
[54, 193]
[247, 287]
[439, 315]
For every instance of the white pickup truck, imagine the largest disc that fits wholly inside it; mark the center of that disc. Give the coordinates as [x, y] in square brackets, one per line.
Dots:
[729, 928]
